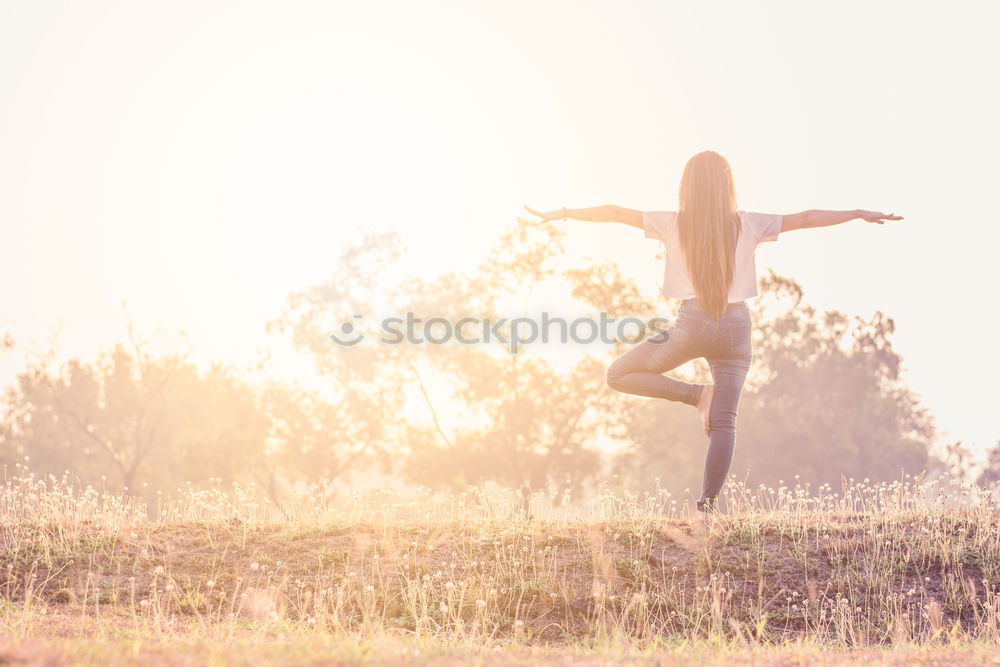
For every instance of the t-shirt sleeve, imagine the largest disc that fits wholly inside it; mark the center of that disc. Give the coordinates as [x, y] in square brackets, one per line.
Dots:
[654, 223]
[765, 226]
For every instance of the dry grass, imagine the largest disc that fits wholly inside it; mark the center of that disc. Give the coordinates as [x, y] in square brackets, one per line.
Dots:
[881, 573]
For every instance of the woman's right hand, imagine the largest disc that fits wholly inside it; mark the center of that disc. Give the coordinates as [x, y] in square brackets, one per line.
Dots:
[545, 217]
[876, 217]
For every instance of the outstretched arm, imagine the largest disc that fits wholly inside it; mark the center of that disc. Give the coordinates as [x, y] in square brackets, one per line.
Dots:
[815, 218]
[606, 213]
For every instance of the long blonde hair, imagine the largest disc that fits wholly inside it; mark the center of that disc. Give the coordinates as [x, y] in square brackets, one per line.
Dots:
[709, 227]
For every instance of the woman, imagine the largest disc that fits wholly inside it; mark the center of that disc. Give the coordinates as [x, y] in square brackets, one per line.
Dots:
[710, 266]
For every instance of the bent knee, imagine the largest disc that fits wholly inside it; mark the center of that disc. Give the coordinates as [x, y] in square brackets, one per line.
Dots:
[614, 376]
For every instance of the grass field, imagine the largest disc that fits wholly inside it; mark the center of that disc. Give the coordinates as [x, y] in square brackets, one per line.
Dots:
[897, 573]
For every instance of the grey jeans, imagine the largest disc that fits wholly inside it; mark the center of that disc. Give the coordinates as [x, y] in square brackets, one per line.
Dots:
[725, 344]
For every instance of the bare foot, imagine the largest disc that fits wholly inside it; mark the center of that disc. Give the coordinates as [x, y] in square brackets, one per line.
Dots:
[705, 406]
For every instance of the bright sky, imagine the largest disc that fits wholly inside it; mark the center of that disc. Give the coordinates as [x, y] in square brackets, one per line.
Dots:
[201, 160]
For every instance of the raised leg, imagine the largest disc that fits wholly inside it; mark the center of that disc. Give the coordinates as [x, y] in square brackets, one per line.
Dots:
[640, 370]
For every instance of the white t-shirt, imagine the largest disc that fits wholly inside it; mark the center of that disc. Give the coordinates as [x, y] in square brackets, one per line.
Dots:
[755, 228]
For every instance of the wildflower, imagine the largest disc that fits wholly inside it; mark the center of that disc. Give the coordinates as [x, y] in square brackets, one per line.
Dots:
[158, 569]
[254, 566]
[210, 583]
[481, 603]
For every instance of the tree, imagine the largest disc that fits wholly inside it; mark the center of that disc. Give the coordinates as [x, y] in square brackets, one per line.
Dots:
[131, 418]
[829, 400]
[991, 474]
[532, 425]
